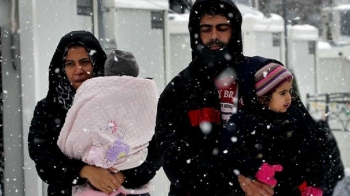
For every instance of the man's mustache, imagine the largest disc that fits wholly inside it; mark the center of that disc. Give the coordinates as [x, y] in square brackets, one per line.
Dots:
[216, 42]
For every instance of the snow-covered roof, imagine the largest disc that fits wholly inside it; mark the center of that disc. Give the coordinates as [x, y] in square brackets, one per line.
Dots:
[323, 45]
[244, 9]
[138, 4]
[343, 7]
[178, 23]
[326, 50]
[339, 7]
[274, 23]
[252, 20]
[302, 32]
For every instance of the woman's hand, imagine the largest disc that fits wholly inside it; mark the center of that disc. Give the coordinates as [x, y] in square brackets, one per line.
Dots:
[254, 188]
[119, 176]
[102, 179]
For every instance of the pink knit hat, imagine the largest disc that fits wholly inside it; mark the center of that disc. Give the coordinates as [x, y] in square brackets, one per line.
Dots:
[270, 77]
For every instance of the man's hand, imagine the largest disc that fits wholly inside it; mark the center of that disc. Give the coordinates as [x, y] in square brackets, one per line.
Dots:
[254, 188]
[101, 179]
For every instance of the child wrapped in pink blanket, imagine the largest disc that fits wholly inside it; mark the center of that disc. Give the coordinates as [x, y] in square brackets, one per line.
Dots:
[110, 125]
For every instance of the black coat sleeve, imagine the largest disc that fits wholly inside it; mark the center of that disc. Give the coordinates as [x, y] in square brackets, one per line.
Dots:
[315, 161]
[52, 165]
[142, 174]
[239, 153]
[187, 159]
[334, 168]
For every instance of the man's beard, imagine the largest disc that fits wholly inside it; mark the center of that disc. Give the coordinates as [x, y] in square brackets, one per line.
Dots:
[216, 42]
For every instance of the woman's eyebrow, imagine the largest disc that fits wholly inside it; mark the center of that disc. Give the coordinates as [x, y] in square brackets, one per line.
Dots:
[71, 60]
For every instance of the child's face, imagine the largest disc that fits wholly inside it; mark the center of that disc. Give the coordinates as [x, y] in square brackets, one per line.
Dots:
[281, 98]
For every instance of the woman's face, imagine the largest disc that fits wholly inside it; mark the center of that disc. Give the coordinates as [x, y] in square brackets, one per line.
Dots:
[78, 66]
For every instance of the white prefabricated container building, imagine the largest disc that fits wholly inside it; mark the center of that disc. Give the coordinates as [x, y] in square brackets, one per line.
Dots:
[302, 41]
[333, 68]
[140, 27]
[263, 36]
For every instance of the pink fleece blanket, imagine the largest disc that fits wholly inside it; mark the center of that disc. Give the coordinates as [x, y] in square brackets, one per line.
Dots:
[110, 124]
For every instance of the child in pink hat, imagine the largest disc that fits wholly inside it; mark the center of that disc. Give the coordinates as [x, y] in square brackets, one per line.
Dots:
[268, 138]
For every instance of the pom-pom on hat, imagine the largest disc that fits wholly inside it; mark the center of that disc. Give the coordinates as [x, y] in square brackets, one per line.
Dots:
[121, 63]
[268, 78]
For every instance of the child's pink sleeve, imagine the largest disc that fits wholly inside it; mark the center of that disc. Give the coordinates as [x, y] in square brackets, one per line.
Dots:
[266, 173]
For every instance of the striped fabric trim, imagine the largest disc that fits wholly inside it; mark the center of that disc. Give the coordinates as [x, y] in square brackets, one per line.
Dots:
[270, 76]
[263, 72]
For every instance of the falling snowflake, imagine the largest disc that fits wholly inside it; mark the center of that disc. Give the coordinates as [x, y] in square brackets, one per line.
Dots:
[92, 52]
[206, 127]
[234, 139]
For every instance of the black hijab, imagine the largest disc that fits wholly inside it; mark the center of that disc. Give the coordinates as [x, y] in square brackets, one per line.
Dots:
[60, 89]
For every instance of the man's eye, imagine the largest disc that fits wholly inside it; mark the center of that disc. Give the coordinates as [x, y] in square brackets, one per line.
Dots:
[205, 30]
[223, 29]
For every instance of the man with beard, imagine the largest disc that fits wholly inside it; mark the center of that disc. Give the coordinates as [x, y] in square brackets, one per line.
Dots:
[196, 104]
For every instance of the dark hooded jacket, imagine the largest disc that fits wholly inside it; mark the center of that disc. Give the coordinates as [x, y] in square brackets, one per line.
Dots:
[332, 159]
[53, 167]
[334, 168]
[262, 136]
[188, 155]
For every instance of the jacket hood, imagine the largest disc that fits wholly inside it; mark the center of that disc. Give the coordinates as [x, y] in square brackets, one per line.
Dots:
[247, 80]
[222, 7]
[60, 89]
